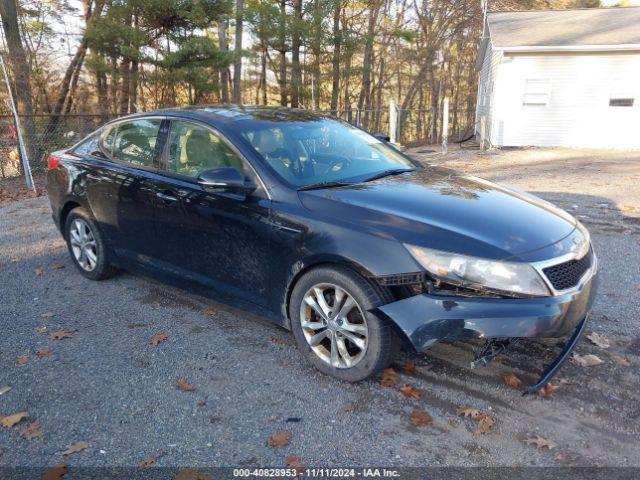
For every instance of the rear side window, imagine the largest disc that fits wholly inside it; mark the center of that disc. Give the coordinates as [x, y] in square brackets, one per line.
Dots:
[193, 149]
[89, 146]
[133, 142]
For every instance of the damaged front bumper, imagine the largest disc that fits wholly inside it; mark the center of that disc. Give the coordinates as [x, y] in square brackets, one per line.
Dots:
[427, 319]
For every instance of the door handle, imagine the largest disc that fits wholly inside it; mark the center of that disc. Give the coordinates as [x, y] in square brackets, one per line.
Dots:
[167, 197]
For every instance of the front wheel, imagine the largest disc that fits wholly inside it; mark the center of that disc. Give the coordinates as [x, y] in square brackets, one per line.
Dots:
[333, 325]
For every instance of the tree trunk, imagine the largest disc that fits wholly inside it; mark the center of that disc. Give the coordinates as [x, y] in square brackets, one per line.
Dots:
[237, 68]
[283, 54]
[73, 86]
[296, 79]
[20, 69]
[263, 74]
[125, 78]
[335, 62]
[224, 48]
[364, 100]
[316, 47]
[103, 95]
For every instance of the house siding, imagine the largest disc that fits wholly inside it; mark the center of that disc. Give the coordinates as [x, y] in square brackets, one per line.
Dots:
[577, 113]
[486, 88]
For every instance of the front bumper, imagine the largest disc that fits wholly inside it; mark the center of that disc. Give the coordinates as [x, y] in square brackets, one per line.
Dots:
[427, 319]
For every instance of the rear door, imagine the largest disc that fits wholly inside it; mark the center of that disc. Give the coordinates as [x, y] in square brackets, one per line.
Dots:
[122, 188]
[220, 239]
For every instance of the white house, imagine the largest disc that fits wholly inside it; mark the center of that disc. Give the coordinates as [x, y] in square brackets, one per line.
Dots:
[560, 78]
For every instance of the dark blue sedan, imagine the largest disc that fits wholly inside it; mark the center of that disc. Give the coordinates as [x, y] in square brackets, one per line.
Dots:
[333, 232]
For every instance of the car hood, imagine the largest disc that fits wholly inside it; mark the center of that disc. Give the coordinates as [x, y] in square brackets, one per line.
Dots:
[438, 208]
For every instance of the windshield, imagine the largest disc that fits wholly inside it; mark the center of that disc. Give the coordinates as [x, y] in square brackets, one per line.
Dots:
[321, 151]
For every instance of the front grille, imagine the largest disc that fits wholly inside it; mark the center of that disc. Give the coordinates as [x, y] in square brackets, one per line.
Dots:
[568, 274]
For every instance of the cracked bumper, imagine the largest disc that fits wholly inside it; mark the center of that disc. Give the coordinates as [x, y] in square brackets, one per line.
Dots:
[427, 319]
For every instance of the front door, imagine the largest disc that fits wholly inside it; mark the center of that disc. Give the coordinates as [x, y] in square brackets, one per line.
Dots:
[219, 239]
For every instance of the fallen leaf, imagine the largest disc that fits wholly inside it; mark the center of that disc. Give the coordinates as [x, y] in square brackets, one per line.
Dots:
[541, 442]
[185, 386]
[473, 413]
[44, 352]
[348, 409]
[549, 390]
[39, 272]
[511, 380]
[11, 420]
[22, 359]
[212, 312]
[158, 338]
[57, 266]
[389, 377]
[4, 390]
[295, 463]
[599, 340]
[57, 472]
[148, 461]
[453, 422]
[75, 448]
[42, 329]
[281, 341]
[191, 474]
[279, 439]
[485, 422]
[60, 335]
[31, 431]
[409, 391]
[409, 367]
[48, 315]
[420, 418]
[586, 360]
[620, 360]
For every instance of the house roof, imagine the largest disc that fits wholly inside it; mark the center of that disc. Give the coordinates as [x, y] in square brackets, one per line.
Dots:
[577, 29]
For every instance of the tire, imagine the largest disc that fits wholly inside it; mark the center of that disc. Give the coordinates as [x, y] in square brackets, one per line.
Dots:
[96, 267]
[380, 339]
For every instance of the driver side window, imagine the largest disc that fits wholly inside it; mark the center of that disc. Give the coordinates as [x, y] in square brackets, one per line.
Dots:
[193, 149]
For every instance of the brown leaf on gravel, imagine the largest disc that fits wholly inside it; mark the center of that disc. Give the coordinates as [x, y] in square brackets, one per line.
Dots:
[57, 266]
[586, 360]
[43, 352]
[42, 329]
[48, 315]
[409, 367]
[31, 431]
[541, 442]
[511, 380]
[347, 409]
[57, 472]
[60, 335]
[281, 341]
[473, 413]
[158, 338]
[39, 272]
[420, 418]
[549, 390]
[452, 422]
[279, 439]
[185, 386]
[75, 448]
[295, 463]
[620, 360]
[409, 391]
[22, 359]
[211, 312]
[485, 422]
[148, 461]
[389, 377]
[599, 340]
[11, 420]
[191, 474]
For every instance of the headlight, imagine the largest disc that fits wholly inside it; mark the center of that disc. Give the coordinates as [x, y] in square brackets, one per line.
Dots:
[479, 273]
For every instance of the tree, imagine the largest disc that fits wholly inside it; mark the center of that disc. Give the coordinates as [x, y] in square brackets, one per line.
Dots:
[237, 69]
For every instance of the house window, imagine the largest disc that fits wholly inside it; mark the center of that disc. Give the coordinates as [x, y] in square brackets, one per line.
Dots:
[622, 94]
[536, 91]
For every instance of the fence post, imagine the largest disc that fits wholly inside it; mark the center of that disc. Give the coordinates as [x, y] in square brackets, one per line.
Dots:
[445, 124]
[23, 151]
[483, 132]
[357, 116]
[393, 121]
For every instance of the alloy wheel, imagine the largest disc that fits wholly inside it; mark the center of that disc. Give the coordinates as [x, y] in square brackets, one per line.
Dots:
[83, 244]
[334, 325]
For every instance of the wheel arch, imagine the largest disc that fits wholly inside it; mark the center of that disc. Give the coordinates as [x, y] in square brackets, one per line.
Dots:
[64, 213]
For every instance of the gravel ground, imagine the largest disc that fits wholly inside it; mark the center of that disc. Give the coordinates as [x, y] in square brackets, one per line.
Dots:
[108, 387]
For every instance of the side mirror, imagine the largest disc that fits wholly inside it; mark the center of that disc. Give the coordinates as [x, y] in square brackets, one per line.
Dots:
[382, 137]
[227, 179]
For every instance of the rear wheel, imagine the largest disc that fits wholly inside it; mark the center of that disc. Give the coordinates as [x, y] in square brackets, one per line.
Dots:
[334, 328]
[86, 245]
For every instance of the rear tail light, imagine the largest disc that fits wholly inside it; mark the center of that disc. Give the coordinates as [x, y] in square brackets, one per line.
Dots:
[52, 161]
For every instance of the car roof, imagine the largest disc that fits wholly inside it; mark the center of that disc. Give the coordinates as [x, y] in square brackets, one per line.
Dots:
[225, 114]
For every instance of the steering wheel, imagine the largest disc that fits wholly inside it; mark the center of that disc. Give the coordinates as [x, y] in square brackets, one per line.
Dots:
[343, 161]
